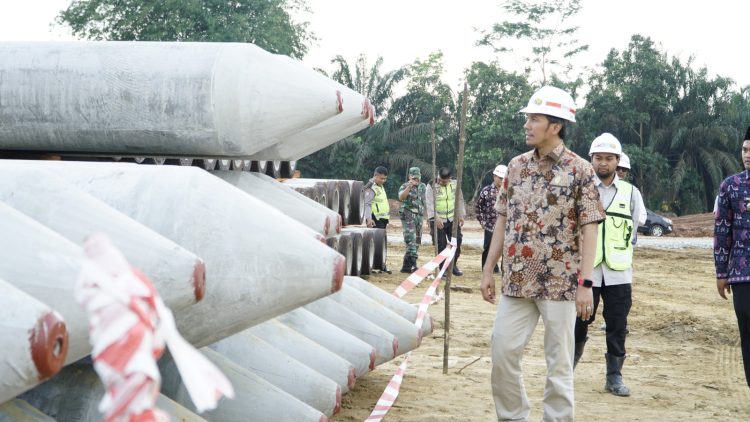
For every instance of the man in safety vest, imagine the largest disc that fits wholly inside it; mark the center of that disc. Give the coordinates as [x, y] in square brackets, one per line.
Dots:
[441, 201]
[613, 265]
[376, 202]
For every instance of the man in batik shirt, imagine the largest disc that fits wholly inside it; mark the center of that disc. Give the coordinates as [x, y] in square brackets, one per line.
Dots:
[485, 209]
[732, 247]
[547, 207]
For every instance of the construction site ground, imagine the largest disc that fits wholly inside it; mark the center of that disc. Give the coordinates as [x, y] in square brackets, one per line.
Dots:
[684, 361]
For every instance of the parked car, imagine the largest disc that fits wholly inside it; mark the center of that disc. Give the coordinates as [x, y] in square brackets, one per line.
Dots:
[656, 225]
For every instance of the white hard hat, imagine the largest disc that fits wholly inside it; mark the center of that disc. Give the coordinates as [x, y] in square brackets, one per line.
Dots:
[606, 143]
[500, 171]
[553, 102]
[624, 161]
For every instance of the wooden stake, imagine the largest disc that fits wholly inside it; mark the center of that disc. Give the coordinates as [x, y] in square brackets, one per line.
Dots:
[434, 200]
[459, 198]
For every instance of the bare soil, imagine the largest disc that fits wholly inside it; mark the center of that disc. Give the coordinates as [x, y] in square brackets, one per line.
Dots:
[684, 361]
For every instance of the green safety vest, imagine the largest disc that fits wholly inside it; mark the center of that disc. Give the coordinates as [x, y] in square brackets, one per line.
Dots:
[445, 200]
[379, 205]
[613, 244]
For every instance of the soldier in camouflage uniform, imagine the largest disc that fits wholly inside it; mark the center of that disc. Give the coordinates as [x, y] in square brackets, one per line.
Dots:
[412, 197]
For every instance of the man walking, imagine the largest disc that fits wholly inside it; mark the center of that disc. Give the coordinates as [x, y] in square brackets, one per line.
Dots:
[376, 201]
[547, 207]
[412, 197]
[732, 248]
[613, 265]
[443, 214]
[484, 208]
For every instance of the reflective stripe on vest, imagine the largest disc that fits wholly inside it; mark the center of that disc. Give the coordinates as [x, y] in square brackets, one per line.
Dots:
[613, 244]
[445, 201]
[379, 205]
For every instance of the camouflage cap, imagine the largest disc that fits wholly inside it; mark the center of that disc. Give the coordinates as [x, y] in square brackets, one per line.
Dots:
[414, 171]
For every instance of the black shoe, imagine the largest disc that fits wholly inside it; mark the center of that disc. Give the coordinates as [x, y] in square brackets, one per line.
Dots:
[456, 271]
[406, 268]
[413, 263]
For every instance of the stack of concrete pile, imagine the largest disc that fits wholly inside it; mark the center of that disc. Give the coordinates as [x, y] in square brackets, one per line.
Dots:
[240, 259]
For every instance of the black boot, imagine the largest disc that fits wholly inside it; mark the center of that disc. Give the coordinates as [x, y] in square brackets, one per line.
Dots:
[579, 351]
[406, 268]
[456, 271]
[614, 376]
[413, 263]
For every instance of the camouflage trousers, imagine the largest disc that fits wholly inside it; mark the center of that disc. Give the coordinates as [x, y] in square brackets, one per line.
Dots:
[412, 224]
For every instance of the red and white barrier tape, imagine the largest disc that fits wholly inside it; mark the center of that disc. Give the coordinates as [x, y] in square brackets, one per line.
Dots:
[417, 276]
[129, 328]
[389, 396]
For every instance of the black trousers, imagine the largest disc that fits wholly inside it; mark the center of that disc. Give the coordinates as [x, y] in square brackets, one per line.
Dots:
[617, 302]
[444, 235]
[380, 224]
[486, 248]
[741, 299]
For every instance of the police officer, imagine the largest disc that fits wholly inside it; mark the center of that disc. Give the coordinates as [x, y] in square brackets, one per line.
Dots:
[443, 214]
[412, 197]
[613, 265]
[376, 200]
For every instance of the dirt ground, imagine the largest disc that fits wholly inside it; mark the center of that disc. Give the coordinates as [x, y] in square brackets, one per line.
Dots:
[683, 363]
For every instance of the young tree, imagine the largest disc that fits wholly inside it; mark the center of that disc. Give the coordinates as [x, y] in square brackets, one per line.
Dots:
[265, 23]
[551, 42]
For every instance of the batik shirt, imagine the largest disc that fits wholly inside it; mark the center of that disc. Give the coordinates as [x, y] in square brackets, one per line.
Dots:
[732, 229]
[546, 200]
[485, 207]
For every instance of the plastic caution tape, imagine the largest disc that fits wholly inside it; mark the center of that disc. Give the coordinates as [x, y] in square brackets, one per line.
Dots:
[417, 276]
[389, 396]
[129, 328]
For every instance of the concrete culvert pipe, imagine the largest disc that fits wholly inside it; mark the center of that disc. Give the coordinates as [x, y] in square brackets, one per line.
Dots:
[380, 237]
[74, 395]
[224, 164]
[288, 168]
[357, 203]
[346, 248]
[35, 341]
[209, 164]
[368, 247]
[356, 239]
[345, 193]
[357, 352]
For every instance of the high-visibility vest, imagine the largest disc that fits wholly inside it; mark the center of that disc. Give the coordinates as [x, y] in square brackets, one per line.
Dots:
[445, 200]
[379, 205]
[613, 244]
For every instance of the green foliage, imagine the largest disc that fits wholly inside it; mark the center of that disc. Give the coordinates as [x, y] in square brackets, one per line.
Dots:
[541, 24]
[265, 23]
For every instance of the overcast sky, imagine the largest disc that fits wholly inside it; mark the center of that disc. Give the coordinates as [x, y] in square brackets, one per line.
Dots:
[403, 30]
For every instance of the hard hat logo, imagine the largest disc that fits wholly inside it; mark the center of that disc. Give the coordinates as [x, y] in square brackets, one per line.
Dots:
[552, 101]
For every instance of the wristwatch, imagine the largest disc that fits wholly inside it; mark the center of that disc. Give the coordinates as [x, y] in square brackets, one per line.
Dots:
[585, 282]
